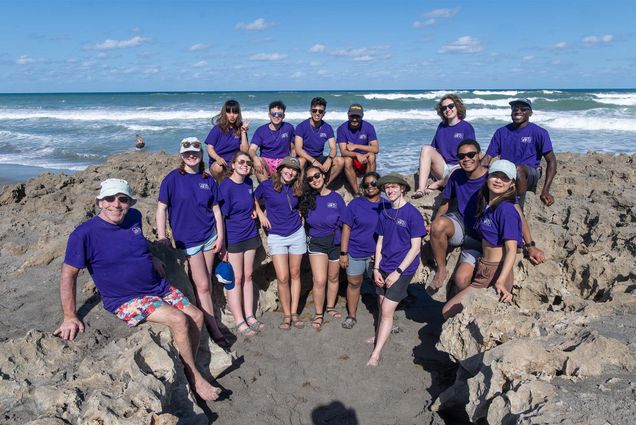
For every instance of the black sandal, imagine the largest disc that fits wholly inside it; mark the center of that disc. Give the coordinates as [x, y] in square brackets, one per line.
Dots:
[316, 322]
[333, 312]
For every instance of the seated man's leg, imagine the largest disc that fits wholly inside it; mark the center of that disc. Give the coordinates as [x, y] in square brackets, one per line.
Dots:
[442, 230]
[350, 173]
[337, 165]
[370, 162]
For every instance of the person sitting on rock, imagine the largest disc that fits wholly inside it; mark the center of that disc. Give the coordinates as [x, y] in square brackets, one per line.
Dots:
[113, 248]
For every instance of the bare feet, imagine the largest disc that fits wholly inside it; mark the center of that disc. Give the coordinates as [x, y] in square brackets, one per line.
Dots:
[440, 277]
[205, 390]
[373, 361]
[434, 186]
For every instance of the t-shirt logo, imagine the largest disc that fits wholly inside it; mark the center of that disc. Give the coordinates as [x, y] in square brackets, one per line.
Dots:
[486, 222]
[204, 186]
[527, 139]
[323, 135]
[362, 137]
[136, 230]
[400, 222]
[332, 205]
[250, 191]
[284, 136]
[458, 136]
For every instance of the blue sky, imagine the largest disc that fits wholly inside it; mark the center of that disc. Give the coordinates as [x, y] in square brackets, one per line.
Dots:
[60, 46]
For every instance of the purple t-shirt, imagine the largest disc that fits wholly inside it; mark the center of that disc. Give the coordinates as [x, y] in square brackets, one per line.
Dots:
[520, 145]
[398, 227]
[274, 144]
[118, 259]
[225, 144]
[448, 137]
[326, 218]
[190, 199]
[465, 192]
[504, 223]
[281, 208]
[314, 139]
[362, 136]
[237, 205]
[362, 217]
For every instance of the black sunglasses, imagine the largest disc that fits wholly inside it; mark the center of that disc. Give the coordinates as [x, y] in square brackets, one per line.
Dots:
[470, 155]
[449, 106]
[366, 185]
[317, 111]
[122, 199]
[314, 177]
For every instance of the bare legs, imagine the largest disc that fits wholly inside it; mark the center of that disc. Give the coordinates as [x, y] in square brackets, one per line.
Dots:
[241, 297]
[350, 171]
[325, 273]
[217, 171]
[385, 323]
[200, 270]
[335, 170]
[431, 162]
[442, 230]
[287, 268]
[353, 294]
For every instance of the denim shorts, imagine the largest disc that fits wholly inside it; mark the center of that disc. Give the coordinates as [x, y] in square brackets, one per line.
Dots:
[296, 243]
[137, 310]
[471, 251]
[358, 266]
[204, 247]
[323, 245]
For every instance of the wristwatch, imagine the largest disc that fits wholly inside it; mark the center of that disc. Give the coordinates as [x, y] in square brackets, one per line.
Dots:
[399, 270]
[343, 252]
[529, 245]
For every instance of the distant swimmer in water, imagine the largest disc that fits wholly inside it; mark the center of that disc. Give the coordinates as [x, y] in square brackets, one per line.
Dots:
[139, 142]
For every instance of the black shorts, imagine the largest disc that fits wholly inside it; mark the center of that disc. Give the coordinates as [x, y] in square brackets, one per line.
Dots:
[398, 291]
[323, 245]
[246, 245]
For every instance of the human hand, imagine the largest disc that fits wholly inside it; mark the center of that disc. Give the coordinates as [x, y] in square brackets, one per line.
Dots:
[69, 329]
[265, 222]
[504, 295]
[219, 245]
[344, 261]
[547, 198]
[535, 255]
[326, 166]
[253, 215]
[391, 279]
[258, 166]
[245, 126]
[377, 278]
[222, 162]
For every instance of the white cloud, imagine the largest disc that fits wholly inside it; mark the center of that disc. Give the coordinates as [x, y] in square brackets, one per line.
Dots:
[317, 48]
[122, 44]
[561, 45]
[24, 60]
[442, 13]
[363, 54]
[528, 58]
[596, 39]
[258, 25]
[268, 57]
[200, 64]
[465, 44]
[101, 55]
[427, 23]
[297, 74]
[198, 47]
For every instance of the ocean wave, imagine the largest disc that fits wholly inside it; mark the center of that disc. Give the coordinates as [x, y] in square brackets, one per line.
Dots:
[104, 115]
[418, 96]
[621, 99]
[551, 91]
[587, 123]
[135, 127]
[486, 102]
[495, 93]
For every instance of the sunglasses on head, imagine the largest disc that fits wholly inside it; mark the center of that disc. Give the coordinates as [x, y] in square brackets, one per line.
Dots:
[316, 176]
[277, 114]
[196, 145]
[122, 199]
[317, 111]
[366, 185]
[520, 108]
[470, 155]
[449, 106]
[231, 110]
[244, 161]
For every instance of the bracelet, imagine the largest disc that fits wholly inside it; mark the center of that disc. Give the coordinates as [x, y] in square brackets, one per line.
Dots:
[343, 252]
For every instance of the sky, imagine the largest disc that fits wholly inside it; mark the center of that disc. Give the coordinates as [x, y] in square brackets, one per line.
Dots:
[169, 45]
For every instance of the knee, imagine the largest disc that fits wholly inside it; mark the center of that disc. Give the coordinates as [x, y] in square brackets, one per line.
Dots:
[247, 277]
[371, 158]
[197, 316]
[522, 172]
[355, 285]
[283, 280]
[338, 161]
[387, 314]
[319, 283]
[440, 227]
[202, 286]
[462, 279]
[348, 162]
[426, 150]
[178, 321]
[294, 274]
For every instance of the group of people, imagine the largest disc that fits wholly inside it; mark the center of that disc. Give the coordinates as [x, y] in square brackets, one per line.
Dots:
[214, 212]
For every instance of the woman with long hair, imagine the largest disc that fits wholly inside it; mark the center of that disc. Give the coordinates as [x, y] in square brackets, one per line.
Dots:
[228, 136]
[400, 232]
[357, 245]
[499, 226]
[190, 197]
[323, 210]
[237, 206]
[439, 159]
[286, 239]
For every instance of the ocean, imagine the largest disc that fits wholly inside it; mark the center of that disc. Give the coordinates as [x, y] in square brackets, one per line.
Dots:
[70, 131]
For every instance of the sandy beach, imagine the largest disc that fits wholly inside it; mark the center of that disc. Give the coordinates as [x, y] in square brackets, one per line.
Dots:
[563, 352]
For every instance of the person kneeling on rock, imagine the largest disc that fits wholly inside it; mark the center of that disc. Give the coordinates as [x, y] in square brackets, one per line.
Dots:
[113, 248]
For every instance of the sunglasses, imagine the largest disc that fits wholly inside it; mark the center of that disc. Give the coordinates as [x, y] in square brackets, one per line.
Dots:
[277, 114]
[470, 155]
[520, 108]
[244, 161]
[314, 177]
[121, 199]
[317, 111]
[231, 110]
[196, 145]
[449, 106]
[367, 185]
[501, 176]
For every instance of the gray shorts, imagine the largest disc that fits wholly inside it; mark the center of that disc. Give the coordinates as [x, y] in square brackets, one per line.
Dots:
[534, 175]
[246, 245]
[459, 234]
[358, 266]
[471, 251]
[398, 291]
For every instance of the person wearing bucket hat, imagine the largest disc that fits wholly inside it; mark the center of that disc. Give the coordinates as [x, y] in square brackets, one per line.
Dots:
[228, 136]
[500, 228]
[112, 246]
[524, 144]
[286, 239]
[358, 145]
[439, 159]
[189, 198]
[400, 231]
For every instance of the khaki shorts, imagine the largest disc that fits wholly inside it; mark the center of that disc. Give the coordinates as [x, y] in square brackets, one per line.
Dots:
[487, 273]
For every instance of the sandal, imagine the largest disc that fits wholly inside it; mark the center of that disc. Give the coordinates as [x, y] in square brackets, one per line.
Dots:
[316, 322]
[285, 325]
[296, 322]
[333, 312]
[417, 195]
[256, 325]
[349, 322]
[247, 332]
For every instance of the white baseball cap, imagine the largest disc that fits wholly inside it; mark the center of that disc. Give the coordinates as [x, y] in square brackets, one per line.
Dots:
[504, 166]
[190, 144]
[112, 187]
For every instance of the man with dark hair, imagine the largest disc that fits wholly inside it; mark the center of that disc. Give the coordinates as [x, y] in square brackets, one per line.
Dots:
[311, 137]
[524, 143]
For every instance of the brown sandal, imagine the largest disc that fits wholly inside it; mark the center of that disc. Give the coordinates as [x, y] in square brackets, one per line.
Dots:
[296, 322]
[316, 322]
[285, 325]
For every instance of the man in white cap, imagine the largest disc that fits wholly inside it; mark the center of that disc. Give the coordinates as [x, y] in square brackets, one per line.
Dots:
[113, 248]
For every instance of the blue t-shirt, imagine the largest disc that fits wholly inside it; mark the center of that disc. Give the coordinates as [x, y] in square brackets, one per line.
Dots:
[190, 199]
[237, 206]
[398, 227]
[362, 217]
[448, 137]
[274, 144]
[362, 136]
[504, 223]
[524, 145]
[314, 139]
[118, 259]
[465, 192]
[281, 208]
[225, 144]
[326, 218]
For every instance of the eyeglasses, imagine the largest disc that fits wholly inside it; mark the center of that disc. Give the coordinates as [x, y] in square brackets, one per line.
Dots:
[196, 145]
[121, 199]
[231, 111]
[314, 177]
[244, 161]
[449, 106]
[520, 108]
[367, 185]
[317, 111]
[470, 155]
[277, 114]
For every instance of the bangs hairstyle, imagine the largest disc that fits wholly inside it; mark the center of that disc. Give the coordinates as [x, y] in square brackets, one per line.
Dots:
[277, 180]
[308, 200]
[222, 121]
[236, 155]
[202, 170]
[509, 196]
[459, 105]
